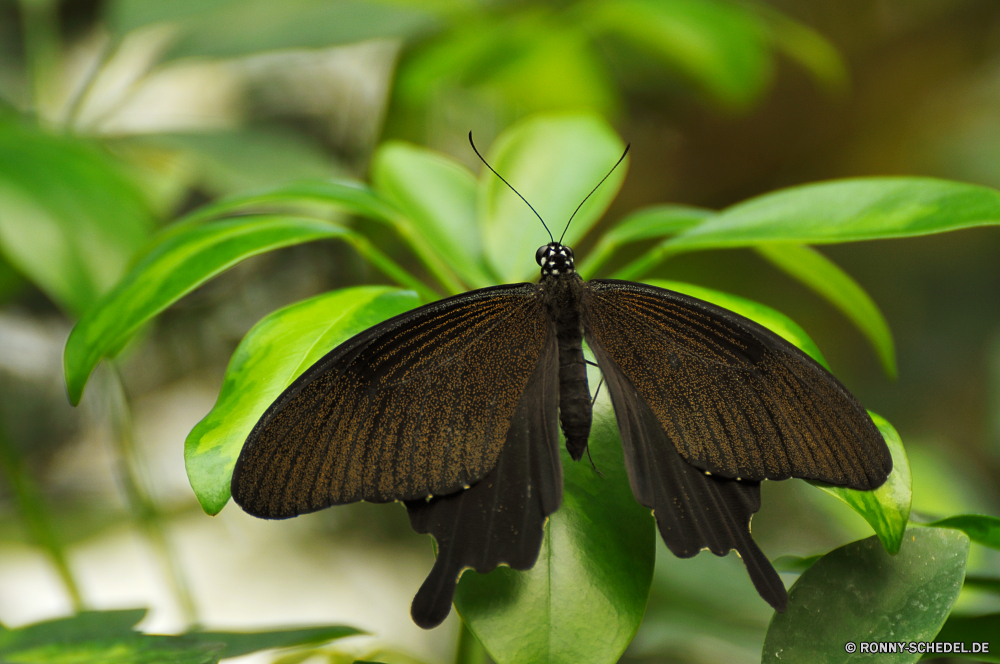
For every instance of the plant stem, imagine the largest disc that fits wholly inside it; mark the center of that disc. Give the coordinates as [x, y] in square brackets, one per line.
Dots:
[35, 514]
[470, 650]
[40, 24]
[146, 514]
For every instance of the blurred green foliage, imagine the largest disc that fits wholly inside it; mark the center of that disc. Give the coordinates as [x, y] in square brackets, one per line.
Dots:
[244, 126]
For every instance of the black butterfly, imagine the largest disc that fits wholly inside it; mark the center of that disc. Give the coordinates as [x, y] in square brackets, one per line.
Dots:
[454, 408]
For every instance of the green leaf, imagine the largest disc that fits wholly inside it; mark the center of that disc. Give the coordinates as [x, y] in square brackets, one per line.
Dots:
[244, 643]
[981, 529]
[554, 161]
[174, 267]
[206, 29]
[269, 358]
[133, 649]
[69, 218]
[585, 597]
[969, 630]
[859, 594]
[847, 211]
[795, 564]
[354, 197]
[824, 277]
[84, 625]
[773, 320]
[807, 47]
[719, 45]
[887, 508]
[439, 196]
[656, 221]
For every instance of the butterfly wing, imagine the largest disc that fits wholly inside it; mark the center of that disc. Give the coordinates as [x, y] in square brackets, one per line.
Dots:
[418, 405]
[500, 519]
[693, 511]
[733, 398]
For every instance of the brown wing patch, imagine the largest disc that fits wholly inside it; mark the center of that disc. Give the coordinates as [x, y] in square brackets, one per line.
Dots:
[734, 398]
[419, 405]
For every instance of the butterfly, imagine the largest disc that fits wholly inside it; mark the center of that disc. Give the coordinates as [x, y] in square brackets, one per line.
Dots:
[455, 409]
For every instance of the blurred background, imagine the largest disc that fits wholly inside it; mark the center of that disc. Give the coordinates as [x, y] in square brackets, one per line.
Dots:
[116, 116]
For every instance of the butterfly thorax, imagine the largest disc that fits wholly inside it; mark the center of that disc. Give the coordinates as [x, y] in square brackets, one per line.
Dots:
[562, 289]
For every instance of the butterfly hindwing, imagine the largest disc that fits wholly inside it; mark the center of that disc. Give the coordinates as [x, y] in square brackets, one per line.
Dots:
[732, 397]
[500, 519]
[693, 511]
[418, 405]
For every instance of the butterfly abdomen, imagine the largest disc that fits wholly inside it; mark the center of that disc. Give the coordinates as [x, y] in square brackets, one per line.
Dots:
[563, 295]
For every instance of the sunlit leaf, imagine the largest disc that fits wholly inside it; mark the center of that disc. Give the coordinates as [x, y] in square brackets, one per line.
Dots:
[585, 597]
[981, 529]
[439, 196]
[69, 218]
[349, 196]
[823, 276]
[847, 211]
[773, 320]
[887, 508]
[719, 45]
[656, 221]
[272, 355]
[554, 161]
[174, 267]
[847, 595]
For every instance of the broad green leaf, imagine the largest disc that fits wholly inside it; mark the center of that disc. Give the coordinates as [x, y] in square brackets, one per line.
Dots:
[823, 276]
[174, 267]
[439, 196]
[847, 211]
[353, 197]
[554, 161]
[243, 643]
[133, 649]
[348, 195]
[585, 597]
[109, 637]
[206, 29]
[981, 529]
[719, 45]
[972, 632]
[84, 625]
[69, 218]
[269, 358]
[773, 320]
[859, 594]
[656, 221]
[887, 508]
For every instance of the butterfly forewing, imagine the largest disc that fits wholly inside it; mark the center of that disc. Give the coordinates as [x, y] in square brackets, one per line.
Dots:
[734, 398]
[419, 405]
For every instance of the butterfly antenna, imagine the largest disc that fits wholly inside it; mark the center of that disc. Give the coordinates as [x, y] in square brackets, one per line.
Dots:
[511, 187]
[620, 159]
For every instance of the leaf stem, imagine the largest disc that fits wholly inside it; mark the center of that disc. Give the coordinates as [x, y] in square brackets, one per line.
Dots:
[40, 24]
[470, 650]
[390, 268]
[36, 516]
[145, 512]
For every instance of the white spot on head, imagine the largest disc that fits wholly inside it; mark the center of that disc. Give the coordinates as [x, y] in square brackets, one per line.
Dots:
[555, 271]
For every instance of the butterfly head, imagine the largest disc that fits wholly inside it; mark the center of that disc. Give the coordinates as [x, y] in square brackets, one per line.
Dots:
[555, 259]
